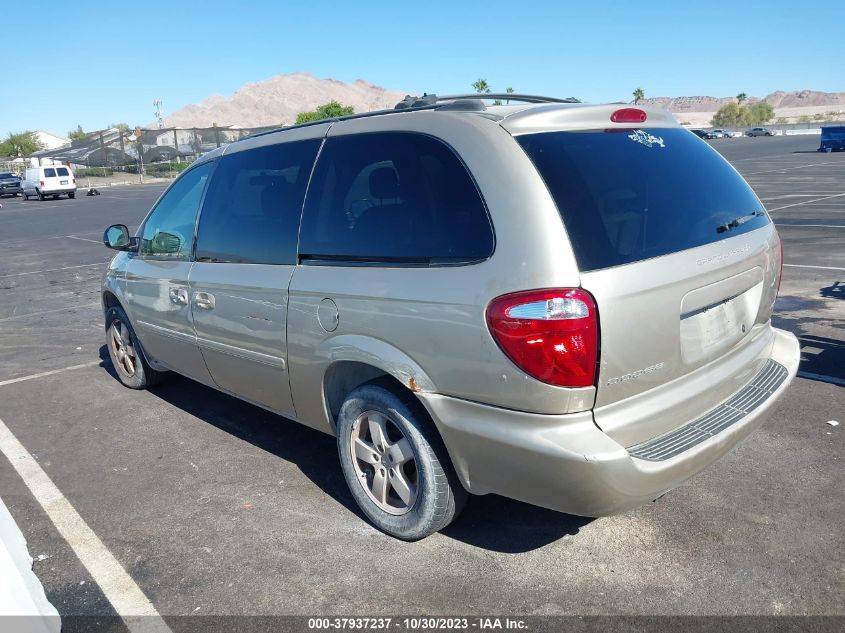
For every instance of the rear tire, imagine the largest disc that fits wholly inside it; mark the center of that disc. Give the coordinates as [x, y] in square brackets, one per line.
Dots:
[395, 463]
[126, 353]
[55, 196]
[25, 196]
[71, 195]
[40, 195]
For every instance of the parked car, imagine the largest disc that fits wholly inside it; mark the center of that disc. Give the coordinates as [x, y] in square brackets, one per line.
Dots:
[700, 133]
[564, 304]
[759, 131]
[719, 133]
[10, 184]
[832, 138]
[52, 180]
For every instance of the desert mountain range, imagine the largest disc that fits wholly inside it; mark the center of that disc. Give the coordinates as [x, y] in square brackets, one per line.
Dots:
[277, 101]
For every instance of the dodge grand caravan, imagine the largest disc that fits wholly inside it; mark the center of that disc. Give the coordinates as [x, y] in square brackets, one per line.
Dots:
[565, 304]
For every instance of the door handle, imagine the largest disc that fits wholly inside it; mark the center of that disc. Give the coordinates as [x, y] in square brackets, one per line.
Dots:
[179, 296]
[204, 300]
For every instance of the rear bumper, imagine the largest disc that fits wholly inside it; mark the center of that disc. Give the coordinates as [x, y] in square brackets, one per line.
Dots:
[566, 463]
[58, 190]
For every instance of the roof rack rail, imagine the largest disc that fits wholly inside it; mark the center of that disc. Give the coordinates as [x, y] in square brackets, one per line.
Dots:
[433, 101]
[509, 96]
[429, 102]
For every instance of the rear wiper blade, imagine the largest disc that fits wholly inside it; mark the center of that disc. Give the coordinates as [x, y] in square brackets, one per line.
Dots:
[739, 221]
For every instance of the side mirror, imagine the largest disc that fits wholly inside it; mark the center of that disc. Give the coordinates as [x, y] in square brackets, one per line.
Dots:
[117, 237]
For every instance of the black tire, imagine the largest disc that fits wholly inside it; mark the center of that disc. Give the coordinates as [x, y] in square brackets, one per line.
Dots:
[55, 196]
[25, 196]
[143, 375]
[40, 195]
[439, 494]
[71, 195]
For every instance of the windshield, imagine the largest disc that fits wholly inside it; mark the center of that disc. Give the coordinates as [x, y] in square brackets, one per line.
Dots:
[629, 195]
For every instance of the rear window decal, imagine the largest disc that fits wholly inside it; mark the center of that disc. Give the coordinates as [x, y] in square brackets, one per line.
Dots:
[644, 138]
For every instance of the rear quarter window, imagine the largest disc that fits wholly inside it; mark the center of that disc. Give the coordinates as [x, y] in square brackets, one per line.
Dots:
[629, 195]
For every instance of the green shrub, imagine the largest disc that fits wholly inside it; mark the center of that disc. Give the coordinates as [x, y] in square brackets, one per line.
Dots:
[93, 172]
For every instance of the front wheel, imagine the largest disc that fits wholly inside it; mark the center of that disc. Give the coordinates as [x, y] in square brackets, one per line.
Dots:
[125, 352]
[395, 463]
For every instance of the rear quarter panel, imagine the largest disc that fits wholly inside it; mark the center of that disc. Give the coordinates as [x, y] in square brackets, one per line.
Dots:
[436, 316]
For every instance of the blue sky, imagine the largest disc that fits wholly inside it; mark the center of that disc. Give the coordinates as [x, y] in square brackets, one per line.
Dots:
[119, 56]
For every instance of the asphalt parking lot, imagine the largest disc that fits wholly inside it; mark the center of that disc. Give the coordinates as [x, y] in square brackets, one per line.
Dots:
[216, 507]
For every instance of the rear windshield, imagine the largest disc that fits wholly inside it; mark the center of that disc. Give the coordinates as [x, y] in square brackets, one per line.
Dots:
[629, 195]
[6, 174]
[62, 171]
[49, 173]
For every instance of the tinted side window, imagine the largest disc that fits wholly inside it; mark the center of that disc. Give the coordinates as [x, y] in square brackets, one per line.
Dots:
[393, 196]
[49, 173]
[169, 230]
[62, 171]
[254, 202]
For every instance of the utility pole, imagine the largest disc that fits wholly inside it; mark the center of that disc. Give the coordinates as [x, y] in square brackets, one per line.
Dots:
[158, 112]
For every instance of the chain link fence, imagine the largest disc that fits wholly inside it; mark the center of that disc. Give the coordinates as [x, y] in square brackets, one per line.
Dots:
[133, 155]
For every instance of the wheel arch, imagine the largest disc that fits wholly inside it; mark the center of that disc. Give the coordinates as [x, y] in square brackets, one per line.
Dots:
[355, 360]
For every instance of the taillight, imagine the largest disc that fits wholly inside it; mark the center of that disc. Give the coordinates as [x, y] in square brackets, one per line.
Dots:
[549, 334]
[780, 274]
[629, 115]
[41, 182]
[74, 180]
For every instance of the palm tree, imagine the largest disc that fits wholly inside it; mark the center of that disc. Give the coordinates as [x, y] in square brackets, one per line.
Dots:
[481, 86]
[510, 92]
[741, 97]
[639, 95]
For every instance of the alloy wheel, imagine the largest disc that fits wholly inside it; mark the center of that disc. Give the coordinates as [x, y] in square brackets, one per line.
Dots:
[122, 348]
[384, 462]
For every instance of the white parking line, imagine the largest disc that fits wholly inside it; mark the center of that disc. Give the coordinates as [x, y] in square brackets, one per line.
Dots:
[125, 596]
[43, 374]
[779, 169]
[806, 266]
[84, 239]
[50, 270]
[798, 204]
[12, 317]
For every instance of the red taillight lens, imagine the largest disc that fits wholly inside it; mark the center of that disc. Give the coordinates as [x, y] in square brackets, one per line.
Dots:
[550, 334]
[780, 274]
[74, 180]
[41, 182]
[629, 115]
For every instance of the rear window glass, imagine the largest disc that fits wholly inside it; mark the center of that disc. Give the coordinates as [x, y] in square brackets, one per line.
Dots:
[49, 173]
[62, 171]
[393, 197]
[6, 174]
[629, 195]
